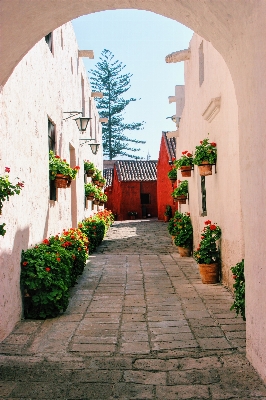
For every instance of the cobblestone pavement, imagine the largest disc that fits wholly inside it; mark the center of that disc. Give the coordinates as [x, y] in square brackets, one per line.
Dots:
[140, 325]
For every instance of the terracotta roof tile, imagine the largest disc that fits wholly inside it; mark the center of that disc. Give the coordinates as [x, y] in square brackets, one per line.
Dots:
[136, 170]
[170, 146]
[108, 174]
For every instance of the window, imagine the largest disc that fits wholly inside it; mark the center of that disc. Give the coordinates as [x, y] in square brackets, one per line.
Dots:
[49, 41]
[51, 146]
[201, 64]
[145, 198]
[203, 197]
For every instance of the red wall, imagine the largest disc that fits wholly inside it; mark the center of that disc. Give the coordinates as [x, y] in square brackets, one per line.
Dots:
[125, 197]
[164, 185]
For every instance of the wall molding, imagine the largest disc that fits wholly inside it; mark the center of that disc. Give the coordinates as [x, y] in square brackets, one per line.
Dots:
[212, 110]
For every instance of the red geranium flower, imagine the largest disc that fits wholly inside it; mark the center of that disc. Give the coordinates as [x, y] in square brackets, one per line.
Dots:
[189, 154]
[25, 263]
[46, 241]
[212, 227]
[201, 142]
[7, 169]
[184, 152]
[47, 269]
[208, 222]
[213, 144]
[77, 167]
[56, 156]
[20, 184]
[58, 259]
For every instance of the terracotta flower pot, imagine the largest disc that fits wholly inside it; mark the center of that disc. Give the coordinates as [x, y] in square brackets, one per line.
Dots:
[181, 199]
[61, 181]
[166, 218]
[90, 172]
[186, 171]
[184, 251]
[209, 273]
[173, 180]
[90, 197]
[205, 168]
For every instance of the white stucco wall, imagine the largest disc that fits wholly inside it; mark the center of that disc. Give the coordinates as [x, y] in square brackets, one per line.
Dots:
[222, 187]
[42, 86]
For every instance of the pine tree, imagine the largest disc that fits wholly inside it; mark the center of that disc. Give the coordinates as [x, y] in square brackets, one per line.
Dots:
[108, 78]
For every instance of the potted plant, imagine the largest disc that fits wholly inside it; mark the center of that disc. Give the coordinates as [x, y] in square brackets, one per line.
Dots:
[207, 254]
[8, 189]
[185, 163]
[132, 214]
[173, 224]
[167, 213]
[172, 175]
[96, 176]
[184, 237]
[89, 168]
[205, 156]
[180, 193]
[90, 191]
[239, 289]
[60, 171]
[102, 182]
[102, 198]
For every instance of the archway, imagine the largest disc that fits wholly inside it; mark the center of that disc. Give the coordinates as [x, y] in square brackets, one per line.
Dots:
[236, 30]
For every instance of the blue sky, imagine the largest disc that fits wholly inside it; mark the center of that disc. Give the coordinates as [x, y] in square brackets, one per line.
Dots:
[140, 40]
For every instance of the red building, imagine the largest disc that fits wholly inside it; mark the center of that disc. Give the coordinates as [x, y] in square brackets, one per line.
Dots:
[164, 186]
[131, 187]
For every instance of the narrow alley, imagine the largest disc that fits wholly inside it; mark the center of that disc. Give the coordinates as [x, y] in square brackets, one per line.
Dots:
[140, 325]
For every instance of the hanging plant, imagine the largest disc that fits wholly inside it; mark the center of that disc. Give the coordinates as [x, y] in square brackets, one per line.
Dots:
[185, 163]
[61, 170]
[89, 168]
[205, 156]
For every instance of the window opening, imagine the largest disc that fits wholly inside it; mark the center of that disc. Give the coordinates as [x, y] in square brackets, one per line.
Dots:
[203, 197]
[49, 41]
[51, 146]
[145, 198]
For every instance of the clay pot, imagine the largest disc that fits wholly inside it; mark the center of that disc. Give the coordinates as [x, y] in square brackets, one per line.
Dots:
[90, 197]
[166, 218]
[209, 273]
[205, 168]
[181, 199]
[184, 251]
[90, 172]
[61, 181]
[173, 180]
[186, 171]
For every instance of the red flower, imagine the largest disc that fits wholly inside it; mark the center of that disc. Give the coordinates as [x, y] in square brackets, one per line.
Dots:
[77, 167]
[73, 256]
[46, 241]
[234, 276]
[47, 269]
[198, 248]
[188, 214]
[202, 237]
[213, 227]
[184, 152]
[208, 222]
[189, 154]
[213, 144]
[58, 259]
[201, 142]
[20, 184]
[173, 158]
[64, 159]
[56, 156]
[7, 169]
[25, 263]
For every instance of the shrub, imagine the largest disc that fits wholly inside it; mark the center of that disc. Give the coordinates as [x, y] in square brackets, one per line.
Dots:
[94, 229]
[207, 251]
[239, 289]
[173, 224]
[184, 237]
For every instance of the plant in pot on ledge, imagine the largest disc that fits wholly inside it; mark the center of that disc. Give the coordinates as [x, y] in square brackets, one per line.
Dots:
[181, 192]
[90, 191]
[60, 171]
[172, 175]
[173, 225]
[184, 237]
[167, 213]
[207, 254]
[89, 168]
[185, 163]
[205, 156]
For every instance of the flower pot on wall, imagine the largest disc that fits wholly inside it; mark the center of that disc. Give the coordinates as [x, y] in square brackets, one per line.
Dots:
[181, 199]
[209, 273]
[205, 168]
[62, 181]
[90, 197]
[173, 180]
[184, 251]
[90, 173]
[186, 171]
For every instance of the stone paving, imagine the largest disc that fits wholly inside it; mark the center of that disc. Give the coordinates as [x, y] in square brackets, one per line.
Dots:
[140, 325]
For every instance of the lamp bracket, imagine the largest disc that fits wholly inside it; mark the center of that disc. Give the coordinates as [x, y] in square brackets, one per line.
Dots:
[72, 114]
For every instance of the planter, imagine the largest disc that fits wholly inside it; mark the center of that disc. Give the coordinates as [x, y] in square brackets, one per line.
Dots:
[101, 203]
[90, 197]
[62, 181]
[166, 218]
[181, 199]
[205, 168]
[186, 171]
[96, 202]
[101, 185]
[184, 251]
[95, 182]
[173, 180]
[90, 173]
[209, 273]
[173, 239]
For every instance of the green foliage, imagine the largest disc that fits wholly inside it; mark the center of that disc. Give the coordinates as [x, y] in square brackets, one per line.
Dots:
[181, 190]
[94, 229]
[185, 160]
[88, 166]
[90, 189]
[108, 78]
[205, 152]
[184, 237]
[168, 211]
[2, 229]
[7, 188]
[173, 224]
[172, 174]
[239, 289]
[207, 252]
[97, 175]
[59, 166]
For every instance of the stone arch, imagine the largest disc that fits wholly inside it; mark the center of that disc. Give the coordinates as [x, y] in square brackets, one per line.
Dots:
[237, 31]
